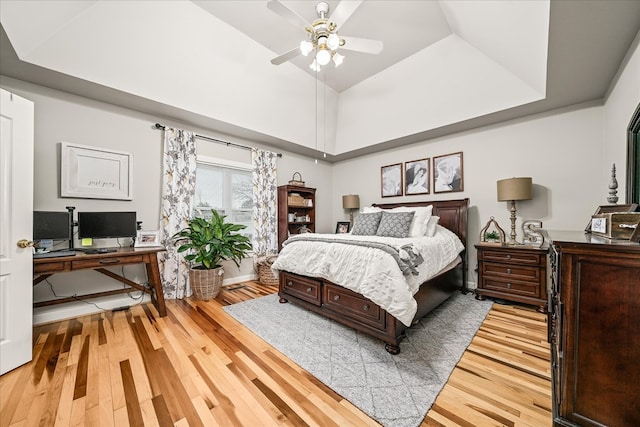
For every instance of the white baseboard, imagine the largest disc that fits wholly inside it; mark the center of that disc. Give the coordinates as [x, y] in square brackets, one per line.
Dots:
[239, 279]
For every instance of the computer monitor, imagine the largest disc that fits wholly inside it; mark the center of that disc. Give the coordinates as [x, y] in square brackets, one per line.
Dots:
[49, 225]
[103, 225]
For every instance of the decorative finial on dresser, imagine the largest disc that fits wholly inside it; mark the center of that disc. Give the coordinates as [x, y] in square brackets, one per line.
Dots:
[613, 187]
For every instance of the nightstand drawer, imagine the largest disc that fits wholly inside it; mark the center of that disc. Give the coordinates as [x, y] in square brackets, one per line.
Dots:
[512, 257]
[299, 287]
[511, 272]
[511, 287]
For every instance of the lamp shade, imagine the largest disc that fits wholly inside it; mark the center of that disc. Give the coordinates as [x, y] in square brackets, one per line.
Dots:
[514, 189]
[351, 201]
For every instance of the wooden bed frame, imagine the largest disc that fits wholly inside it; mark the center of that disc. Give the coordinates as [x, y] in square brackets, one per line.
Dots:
[356, 311]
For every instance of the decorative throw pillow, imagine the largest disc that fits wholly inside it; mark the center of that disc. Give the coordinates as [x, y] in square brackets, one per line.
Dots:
[395, 224]
[419, 222]
[366, 224]
[431, 226]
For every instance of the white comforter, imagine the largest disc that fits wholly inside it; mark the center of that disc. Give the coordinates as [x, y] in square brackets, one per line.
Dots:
[370, 271]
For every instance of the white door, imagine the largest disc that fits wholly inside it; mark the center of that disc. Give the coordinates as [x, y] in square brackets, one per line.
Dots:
[16, 223]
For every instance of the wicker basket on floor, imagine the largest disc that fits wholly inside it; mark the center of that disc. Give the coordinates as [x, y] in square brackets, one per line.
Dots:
[265, 274]
[206, 284]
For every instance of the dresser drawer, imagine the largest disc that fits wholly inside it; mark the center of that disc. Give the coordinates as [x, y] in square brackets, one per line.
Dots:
[106, 262]
[511, 272]
[353, 305]
[512, 257]
[512, 287]
[301, 287]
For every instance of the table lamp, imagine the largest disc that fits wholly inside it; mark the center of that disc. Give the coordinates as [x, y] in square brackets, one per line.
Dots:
[351, 202]
[510, 190]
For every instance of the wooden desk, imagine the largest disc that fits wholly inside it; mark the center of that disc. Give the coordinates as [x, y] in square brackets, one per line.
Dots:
[46, 267]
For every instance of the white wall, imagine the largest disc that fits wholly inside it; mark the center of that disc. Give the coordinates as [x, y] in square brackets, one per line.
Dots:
[60, 117]
[621, 101]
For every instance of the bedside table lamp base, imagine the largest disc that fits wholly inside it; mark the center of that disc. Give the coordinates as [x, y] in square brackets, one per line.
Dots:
[510, 190]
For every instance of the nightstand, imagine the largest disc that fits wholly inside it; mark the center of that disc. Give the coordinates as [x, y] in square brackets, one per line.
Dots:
[513, 273]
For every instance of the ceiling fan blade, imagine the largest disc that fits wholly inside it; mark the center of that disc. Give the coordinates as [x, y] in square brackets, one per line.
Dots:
[286, 56]
[343, 11]
[288, 14]
[362, 45]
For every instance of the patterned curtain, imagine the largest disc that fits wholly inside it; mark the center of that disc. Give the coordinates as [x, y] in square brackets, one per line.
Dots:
[265, 195]
[178, 189]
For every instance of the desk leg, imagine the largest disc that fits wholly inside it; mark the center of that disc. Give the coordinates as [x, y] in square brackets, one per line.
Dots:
[153, 274]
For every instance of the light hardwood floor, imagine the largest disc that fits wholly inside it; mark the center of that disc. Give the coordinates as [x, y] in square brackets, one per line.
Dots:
[200, 367]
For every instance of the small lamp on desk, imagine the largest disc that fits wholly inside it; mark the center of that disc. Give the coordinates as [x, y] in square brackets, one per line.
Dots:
[510, 190]
[351, 202]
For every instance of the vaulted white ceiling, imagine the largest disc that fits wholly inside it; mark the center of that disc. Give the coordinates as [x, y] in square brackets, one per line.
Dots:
[446, 65]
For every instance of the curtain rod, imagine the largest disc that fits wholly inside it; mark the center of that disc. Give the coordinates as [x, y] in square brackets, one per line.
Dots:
[219, 141]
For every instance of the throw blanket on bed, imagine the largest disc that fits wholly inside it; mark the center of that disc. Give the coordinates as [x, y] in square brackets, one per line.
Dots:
[369, 271]
[405, 256]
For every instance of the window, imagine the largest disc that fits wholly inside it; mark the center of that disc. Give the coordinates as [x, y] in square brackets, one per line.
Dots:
[226, 187]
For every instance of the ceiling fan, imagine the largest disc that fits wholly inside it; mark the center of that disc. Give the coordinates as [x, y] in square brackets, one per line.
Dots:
[322, 34]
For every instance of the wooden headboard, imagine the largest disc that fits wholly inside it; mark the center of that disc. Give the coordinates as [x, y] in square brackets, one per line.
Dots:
[452, 213]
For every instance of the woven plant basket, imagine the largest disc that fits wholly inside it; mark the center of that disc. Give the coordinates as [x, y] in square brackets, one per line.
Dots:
[206, 284]
[265, 274]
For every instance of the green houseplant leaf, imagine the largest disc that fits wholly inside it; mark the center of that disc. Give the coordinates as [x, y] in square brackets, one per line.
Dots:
[209, 242]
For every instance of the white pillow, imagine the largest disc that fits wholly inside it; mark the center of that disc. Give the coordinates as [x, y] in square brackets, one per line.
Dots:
[370, 209]
[420, 218]
[430, 229]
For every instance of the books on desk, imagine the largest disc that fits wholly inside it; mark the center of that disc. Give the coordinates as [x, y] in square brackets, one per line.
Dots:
[53, 254]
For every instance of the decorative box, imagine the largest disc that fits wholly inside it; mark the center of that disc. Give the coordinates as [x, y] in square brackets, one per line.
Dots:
[615, 225]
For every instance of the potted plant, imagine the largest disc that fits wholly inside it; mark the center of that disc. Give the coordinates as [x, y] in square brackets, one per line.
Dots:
[492, 236]
[208, 243]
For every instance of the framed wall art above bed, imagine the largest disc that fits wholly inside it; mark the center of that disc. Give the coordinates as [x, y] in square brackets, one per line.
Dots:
[391, 180]
[448, 173]
[416, 177]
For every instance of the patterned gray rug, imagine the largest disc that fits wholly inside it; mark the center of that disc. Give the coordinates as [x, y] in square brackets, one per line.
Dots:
[394, 390]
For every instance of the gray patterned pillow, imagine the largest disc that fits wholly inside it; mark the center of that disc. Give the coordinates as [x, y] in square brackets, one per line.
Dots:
[395, 224]
[366, 224]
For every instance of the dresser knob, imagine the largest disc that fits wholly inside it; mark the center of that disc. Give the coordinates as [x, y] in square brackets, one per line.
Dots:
[309, 289]
[336, 297]
[508, 271]
[366, 307]
[509, 285]
[289, 283]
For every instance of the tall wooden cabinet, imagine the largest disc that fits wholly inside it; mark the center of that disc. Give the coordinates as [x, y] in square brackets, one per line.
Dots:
[594, 319]
[296, 211]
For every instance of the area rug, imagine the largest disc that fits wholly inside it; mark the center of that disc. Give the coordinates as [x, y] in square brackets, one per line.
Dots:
[396, 391]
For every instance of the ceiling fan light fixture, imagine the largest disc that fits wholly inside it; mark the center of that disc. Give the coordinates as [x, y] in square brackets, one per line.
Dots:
[322, 42]
[306, 47]
[314, 66]
[337, 59]
[323, 56]
[333, 41]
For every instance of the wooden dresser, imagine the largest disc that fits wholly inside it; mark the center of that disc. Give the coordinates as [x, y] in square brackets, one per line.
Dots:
[594, 320]
[514, 273]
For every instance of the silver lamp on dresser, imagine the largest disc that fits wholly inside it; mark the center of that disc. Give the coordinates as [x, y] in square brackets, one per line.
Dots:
[510, 190]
